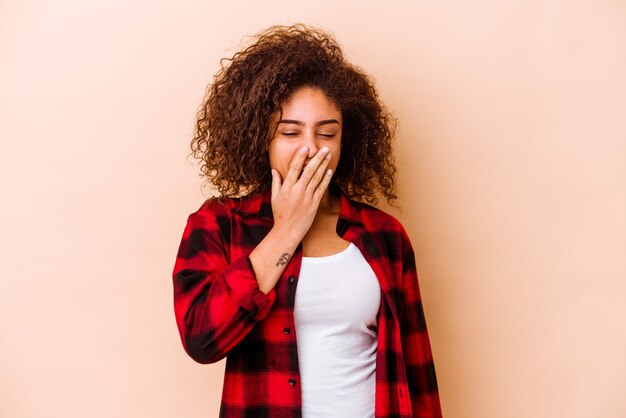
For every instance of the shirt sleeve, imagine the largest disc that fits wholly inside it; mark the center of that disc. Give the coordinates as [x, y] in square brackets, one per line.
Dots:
[217, 301]
[418, 357]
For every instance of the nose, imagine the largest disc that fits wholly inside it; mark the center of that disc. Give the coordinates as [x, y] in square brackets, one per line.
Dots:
[310, 141]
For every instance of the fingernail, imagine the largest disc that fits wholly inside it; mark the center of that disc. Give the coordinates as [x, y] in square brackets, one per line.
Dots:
[304, 149]
[328, 156]
[324, 150]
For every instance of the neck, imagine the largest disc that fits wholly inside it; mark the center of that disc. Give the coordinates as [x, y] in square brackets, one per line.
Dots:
[328, 203]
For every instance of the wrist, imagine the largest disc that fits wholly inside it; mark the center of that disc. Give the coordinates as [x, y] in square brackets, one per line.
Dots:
[285, 237]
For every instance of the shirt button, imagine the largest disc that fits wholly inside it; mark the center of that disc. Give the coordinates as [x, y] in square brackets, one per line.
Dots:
[286, 330]
[291, 279]
[292, 382]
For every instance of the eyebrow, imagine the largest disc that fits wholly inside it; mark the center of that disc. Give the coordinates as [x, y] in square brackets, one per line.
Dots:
[298, 122]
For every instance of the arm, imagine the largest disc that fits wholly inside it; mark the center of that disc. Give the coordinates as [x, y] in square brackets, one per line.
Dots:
[418, 358]
[216, 302]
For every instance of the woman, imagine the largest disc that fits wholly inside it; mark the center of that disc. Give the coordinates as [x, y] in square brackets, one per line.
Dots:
[309, 291]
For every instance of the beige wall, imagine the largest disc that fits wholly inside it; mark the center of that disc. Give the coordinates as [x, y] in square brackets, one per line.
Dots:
[512, 154]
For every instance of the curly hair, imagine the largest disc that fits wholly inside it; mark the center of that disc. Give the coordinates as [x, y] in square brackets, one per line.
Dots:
[232, 132]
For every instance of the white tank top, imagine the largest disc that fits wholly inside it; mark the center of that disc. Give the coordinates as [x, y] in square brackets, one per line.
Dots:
[336, 303]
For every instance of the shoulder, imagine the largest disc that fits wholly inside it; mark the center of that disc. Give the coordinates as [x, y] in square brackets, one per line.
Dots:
[213, 214]
[376, 219]
[211, 222]
[220, 211]
[385, 229]
[216, 206]
[211, 208]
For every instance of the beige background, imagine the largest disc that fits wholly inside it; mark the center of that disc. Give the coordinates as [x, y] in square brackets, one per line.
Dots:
[512, 152]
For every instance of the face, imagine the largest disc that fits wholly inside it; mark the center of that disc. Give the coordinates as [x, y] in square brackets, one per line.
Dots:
[309, 118]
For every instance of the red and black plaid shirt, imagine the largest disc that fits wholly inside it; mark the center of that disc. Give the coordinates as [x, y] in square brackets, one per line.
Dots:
[220, 310]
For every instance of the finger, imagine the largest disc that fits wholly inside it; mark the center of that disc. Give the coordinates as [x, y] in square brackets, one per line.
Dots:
[296, 164]
[319, 173]
[313, 165]
[321, 188]
[276, 183]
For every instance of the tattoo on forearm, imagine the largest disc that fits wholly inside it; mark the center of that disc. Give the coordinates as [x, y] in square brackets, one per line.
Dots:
[284, 259]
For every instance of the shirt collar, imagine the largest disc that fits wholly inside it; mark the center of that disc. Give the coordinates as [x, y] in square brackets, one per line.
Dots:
[261, 204]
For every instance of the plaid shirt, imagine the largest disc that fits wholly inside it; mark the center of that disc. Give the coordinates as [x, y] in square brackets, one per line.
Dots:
[220, 310]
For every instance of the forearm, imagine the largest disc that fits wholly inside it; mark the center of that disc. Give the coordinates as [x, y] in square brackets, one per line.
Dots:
[294, 206]
[270, 258]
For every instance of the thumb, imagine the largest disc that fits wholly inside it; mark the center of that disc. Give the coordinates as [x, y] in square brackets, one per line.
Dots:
[276, 183]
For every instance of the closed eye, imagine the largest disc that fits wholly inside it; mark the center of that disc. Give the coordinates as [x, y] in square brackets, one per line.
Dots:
[298, 133]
